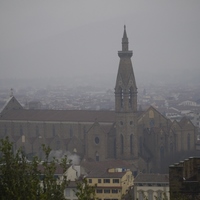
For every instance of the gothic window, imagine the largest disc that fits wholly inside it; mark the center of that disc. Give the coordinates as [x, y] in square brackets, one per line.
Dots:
[21, 130]
[96, 140]
[53, 131]
[121, 97]
[151, 114]
[122, 144]
[131, 143]
[188, 141]
[171, 147]
[130, 97]
[151, 123]
[97, 156]
[162, 152]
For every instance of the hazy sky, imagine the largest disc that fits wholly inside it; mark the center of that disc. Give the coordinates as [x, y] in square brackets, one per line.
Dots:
[70, 39]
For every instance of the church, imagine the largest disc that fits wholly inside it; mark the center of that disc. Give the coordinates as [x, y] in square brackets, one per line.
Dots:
[146, 139]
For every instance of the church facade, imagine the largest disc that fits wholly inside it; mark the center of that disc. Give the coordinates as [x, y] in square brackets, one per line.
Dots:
[146, 139]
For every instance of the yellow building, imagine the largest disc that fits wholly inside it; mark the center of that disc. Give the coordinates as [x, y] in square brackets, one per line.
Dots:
[112, 183]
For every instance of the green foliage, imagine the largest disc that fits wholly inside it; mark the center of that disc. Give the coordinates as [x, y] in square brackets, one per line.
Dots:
[22, 179]
[84, 190]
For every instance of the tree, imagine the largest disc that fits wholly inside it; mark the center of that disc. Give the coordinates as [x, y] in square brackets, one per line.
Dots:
[23, 179]
[84, 190]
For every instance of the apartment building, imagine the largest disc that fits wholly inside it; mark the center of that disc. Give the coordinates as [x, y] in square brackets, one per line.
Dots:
[151, 186]
[112, 183]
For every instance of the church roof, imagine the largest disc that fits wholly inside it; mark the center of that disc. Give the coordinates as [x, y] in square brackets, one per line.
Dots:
[60, 115]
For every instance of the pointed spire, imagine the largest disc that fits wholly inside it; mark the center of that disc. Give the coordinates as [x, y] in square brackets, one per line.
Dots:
[125, 35]
[125, 40]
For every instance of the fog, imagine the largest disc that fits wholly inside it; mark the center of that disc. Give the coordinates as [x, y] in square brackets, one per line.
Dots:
[76, 42]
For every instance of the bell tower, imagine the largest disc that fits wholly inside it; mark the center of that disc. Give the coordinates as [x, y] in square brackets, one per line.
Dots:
[126, 105]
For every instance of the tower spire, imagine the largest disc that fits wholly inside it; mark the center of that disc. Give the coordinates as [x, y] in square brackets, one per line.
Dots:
[126, 104]
[125, 40]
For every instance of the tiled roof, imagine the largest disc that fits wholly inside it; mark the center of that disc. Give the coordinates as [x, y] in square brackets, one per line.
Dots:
[100, 169]
[152, 178]
[60, 115]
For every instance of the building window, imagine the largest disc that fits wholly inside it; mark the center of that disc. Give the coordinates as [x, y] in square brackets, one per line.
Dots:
[97, 156]
[151, 114]
[159, 195]
[106, 180]
[107, 191]
[90, 180]
[114, 190]
[99, 180]
[150, 195]
[141, 195]
[130, 97]
[121, 97]
[152, 123]
[96, 140]
[67, 192]
[99, 191]
[122, 144]
[74, 192]
[171, 147]
[116, 180]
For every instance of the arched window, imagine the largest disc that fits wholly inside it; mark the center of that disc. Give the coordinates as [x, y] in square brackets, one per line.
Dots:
[150, 195]
[171, 147]
[131, 143]
[121, 97]
[162, 152]
[122, 144]
[188, 141]
[97, 156]
[130, 98]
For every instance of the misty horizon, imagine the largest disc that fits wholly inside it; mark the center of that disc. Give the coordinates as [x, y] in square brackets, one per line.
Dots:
[77, 43]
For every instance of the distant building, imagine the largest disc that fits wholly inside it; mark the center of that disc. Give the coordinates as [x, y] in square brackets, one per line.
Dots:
[184, 179]
[151, 186]
[146, 139]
